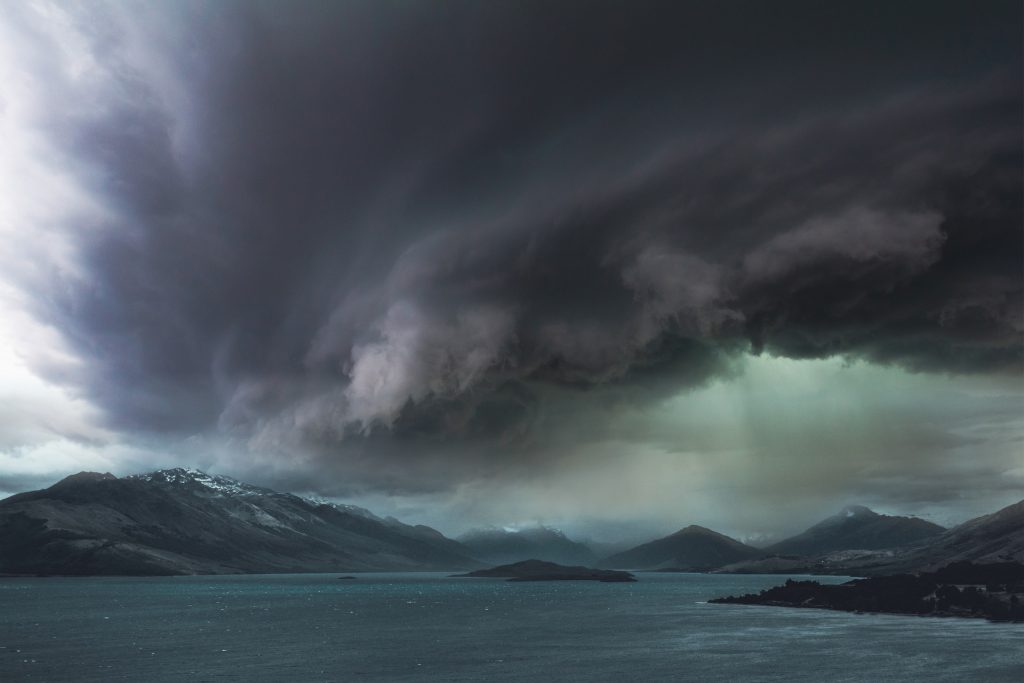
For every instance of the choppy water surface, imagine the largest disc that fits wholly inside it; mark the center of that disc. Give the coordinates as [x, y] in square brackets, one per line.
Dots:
[427, 627]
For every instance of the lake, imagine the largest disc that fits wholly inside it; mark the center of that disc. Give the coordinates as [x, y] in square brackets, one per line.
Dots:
[428, 627]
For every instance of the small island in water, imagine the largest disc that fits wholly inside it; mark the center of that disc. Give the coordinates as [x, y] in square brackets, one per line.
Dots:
[538, 570]
[985, 591]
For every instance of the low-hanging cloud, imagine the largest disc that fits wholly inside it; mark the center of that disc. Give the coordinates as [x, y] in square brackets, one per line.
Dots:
[371, 230]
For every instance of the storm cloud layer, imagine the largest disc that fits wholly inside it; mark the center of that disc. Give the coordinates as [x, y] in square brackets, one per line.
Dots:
[416, 244]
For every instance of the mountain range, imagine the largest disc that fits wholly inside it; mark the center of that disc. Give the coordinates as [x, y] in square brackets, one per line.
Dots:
[696, 548]
[182, 521]
[998, 537]
[856, 527]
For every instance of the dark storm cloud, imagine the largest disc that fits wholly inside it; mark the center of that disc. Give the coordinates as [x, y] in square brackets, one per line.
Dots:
[374, 223]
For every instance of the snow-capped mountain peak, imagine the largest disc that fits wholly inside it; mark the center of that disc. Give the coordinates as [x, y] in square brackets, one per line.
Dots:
[214, 482]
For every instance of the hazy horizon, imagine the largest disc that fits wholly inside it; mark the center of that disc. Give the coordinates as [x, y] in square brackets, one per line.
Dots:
[602, 534]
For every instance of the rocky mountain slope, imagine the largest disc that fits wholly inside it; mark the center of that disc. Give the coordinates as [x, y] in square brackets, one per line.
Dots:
[184, 521]
[856, 528]
[998, 537]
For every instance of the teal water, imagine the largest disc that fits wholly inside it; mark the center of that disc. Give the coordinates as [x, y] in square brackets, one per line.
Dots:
[427, 627]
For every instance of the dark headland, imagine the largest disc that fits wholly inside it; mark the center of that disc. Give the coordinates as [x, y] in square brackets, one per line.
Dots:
[538, 570]
[984, 591]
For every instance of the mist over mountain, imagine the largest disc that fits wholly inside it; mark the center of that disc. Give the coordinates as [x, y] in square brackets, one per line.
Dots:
[856, 527]
[508, 545]
[482, 261]
[621, 292]
[997, 537]
[182, 521]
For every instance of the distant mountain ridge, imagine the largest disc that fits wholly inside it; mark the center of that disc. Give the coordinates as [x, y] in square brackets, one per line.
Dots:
[856, 528]
[997, 537]
[505, 546]
[694, 548]
[848, 539]
[183, 521]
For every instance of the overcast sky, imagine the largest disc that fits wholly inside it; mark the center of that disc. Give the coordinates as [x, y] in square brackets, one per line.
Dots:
[614, 266]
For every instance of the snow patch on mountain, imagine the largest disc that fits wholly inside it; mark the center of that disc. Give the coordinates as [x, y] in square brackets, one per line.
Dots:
[216, 483]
